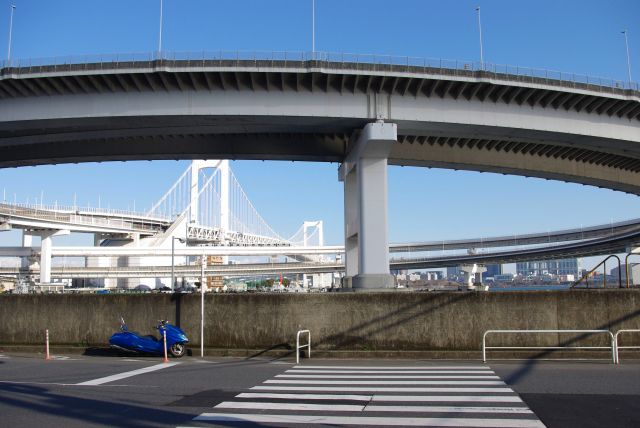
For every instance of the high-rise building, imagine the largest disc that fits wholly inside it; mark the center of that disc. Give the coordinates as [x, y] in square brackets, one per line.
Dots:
[453, 271]
[492, 271]
[550, 267]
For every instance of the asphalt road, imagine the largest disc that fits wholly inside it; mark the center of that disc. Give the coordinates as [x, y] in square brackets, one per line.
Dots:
[98, 391]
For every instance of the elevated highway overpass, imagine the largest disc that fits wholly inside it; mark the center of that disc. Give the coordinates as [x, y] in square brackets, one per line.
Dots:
[616, 243]
[297, 107]
[589, 241]
[362, 111]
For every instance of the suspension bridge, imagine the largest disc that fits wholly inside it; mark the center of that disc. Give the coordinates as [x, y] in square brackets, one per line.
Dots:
[205, 206]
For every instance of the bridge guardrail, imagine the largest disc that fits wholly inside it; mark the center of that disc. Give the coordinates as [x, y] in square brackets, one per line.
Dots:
[307, 345]
[378, 62]
[612, 347]
[81, 217]
[618, 347]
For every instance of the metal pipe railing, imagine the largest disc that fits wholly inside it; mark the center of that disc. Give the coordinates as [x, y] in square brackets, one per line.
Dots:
[618, 347]
[626, 265]
[298, 346]
[486, 333]
[603, 263]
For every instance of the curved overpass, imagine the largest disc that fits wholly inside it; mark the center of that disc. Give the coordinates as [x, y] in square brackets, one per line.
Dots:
[283, 109]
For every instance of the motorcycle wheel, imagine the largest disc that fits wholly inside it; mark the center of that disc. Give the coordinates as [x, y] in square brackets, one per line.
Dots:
[177, 350]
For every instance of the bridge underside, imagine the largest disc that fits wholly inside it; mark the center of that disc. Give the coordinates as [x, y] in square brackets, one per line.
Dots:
[464, 147]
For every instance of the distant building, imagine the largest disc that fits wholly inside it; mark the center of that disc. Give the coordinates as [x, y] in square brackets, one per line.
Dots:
[492, 271]
[503, 277]
[433, 275]
[634, 269]
[453, 272]
[550, 267]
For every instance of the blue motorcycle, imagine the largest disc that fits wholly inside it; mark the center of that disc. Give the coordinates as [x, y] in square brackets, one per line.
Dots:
[134, 342]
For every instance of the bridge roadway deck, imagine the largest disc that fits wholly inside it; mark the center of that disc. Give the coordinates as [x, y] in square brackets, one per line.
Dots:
[534, 124]
[608, 245]
[118, 222]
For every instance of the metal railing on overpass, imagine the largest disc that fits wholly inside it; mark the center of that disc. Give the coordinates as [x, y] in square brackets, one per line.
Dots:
[372, 62]
[82, 218]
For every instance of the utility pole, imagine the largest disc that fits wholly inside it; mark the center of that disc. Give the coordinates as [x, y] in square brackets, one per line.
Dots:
[13, 8]
[480, 30]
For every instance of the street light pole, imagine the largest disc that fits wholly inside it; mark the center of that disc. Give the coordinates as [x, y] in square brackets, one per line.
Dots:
[160, 38]
[203, 262]
[313, 29]
[13, 8]
[480, 30]
[173, 281]
[626, 42]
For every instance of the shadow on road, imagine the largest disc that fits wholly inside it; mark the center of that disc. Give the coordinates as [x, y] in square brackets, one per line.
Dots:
[530, 363]
[37, 399]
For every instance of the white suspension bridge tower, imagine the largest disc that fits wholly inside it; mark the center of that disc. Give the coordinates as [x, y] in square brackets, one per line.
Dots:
[206, 206]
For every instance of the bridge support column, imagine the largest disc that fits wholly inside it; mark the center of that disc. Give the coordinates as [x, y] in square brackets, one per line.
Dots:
[45, 253]
[364, 173]
[473, 277]
[27, 242]
[45, 258]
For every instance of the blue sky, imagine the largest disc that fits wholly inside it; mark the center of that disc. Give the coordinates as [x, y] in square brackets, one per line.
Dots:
[424, 204]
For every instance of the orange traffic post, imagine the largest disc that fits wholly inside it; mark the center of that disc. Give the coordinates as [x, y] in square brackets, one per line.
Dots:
[164, 336]
[46, 336]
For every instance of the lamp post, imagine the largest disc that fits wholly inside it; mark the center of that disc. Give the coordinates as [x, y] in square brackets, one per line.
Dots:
[203, 263]
[313, 29]
[480, 31]
[160, 37]
[13, 8]
[626, 43]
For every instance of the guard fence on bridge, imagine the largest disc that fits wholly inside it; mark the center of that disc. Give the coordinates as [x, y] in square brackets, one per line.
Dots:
[371, 62]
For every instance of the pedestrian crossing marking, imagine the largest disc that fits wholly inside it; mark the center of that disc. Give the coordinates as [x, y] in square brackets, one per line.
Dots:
[378, 389]
[304, 376]
[385, 382]
[370, 420]
[430, 396]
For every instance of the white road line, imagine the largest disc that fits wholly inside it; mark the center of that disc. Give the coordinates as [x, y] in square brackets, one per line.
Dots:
[394, 371]
[447, 398]
[385, 382]
[305, 396]
[377, 389]
[363, 420]
[396, 367]
[55, 383]
[289, 406]
[124, 375]
[449, 409]
[389, 398]
[306, 376]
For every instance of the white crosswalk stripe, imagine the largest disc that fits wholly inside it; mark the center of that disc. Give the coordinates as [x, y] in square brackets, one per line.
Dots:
[430, 396]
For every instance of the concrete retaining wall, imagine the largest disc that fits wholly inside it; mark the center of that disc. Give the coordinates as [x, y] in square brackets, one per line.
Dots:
[338, 321]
